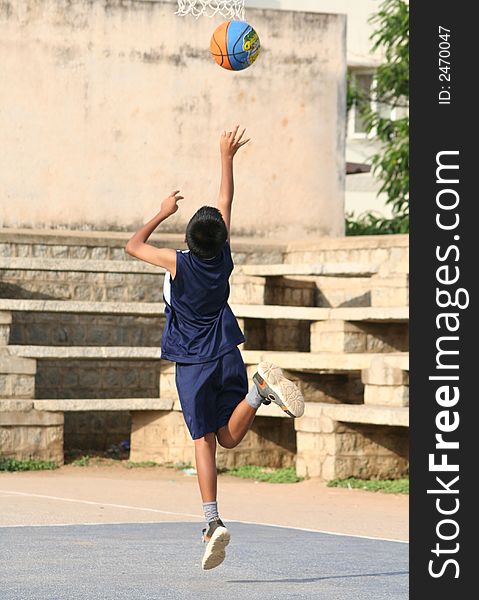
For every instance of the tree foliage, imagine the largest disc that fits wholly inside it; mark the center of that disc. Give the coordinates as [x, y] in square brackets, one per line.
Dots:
[390, 164]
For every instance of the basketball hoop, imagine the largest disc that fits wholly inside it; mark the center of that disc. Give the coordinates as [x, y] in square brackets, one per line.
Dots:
[229, 9]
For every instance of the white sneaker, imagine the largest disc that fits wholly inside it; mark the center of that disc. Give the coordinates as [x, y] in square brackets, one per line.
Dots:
[273, 386]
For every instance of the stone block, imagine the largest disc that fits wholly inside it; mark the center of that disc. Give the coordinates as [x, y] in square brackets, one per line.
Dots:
[34, 434]
[99, 253]
[329, 449]
[316, 420]
[269, 443]
[390, 291]
[315, 455]
[386, 395]
[59, 251]
[16, 385]
[167, 387]
[39, 250]
[247, 290]
[5, 249]
[4, 334]
[14, 364]
[337, 336]
[380, 373]
[160, 436]
[5, 317]
[16, 405]
[347, 336]
[78, 252]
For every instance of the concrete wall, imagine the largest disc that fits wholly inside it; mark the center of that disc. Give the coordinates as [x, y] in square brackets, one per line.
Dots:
[108, 105]
[359, 28]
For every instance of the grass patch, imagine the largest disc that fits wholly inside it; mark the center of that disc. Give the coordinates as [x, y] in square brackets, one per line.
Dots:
[140, 465]
[388, 486]
[83, 461]
[179, 466]
[287, 475]
[31, 464]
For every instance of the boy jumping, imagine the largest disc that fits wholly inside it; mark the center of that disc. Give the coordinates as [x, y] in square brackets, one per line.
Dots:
[202, 335]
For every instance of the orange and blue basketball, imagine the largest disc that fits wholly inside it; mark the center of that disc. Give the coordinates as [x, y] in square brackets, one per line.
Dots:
[235, 45]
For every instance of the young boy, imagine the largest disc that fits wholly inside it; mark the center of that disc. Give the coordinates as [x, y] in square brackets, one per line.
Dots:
[201, 336]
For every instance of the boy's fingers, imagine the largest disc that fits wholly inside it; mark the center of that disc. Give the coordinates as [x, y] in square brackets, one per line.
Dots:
[235, 131]
[241, 135]
[244, 142]
[180, 197]
[175, 192]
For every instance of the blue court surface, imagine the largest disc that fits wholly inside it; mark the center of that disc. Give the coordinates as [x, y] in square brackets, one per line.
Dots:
[162, 561]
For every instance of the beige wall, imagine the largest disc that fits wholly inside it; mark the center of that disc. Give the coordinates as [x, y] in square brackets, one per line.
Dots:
[106, 106]
[359, 28]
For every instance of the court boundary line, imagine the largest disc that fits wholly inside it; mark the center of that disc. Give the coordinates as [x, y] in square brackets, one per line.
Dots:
[165, 512]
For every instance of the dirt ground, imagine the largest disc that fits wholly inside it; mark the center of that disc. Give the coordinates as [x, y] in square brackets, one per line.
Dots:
[106, 494]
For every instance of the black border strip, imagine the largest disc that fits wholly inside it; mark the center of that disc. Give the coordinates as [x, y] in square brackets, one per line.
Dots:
[434, 128]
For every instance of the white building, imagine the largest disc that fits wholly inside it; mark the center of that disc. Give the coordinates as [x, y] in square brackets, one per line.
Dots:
[362, 188]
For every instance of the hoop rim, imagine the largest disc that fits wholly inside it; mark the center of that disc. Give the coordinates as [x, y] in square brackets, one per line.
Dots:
[229, 9]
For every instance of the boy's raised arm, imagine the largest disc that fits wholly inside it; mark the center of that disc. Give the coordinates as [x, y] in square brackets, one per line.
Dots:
[230, 142]
[161, 257]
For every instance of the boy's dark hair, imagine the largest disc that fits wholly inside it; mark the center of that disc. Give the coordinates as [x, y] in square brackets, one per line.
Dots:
[206, 232]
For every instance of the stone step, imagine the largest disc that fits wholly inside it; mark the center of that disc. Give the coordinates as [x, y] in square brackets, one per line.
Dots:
[350, 413]
[92, 404]
[76, 265]
[85, 352]
[345, 269]
[324, 361]
[121, 404]
[268, 327]
[94, 245]
[398, 314]
[72, 323]
[132, 265]
[388, 251]
[296, 361]
[153, 309]
[129, 281]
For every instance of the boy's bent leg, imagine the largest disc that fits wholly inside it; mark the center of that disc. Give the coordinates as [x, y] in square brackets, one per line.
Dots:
[239, 423]
[241, 419]
[205, 456]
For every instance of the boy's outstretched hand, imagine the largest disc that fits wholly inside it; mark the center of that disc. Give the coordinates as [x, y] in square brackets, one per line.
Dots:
[169, 205]
[230, 142]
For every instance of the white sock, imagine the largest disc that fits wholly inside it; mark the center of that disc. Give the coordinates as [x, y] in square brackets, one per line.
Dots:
[253, 397]
[211, 510]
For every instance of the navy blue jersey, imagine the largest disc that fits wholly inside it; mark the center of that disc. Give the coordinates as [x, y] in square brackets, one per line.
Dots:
[200, 325]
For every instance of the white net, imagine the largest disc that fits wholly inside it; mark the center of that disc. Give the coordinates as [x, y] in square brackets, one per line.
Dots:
[229, 9]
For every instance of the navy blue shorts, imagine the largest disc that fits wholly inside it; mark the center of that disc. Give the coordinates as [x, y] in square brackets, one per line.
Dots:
[209, 392]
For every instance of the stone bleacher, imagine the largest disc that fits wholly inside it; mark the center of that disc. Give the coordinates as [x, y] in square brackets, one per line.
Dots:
[80, 357]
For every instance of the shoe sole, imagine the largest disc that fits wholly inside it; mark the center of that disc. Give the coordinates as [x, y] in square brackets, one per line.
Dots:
[215, 550]
[279, 389]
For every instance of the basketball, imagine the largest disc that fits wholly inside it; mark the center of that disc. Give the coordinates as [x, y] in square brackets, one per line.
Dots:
[235, 45]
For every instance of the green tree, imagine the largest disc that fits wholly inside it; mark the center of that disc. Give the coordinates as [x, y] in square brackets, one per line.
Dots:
[391, 90]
